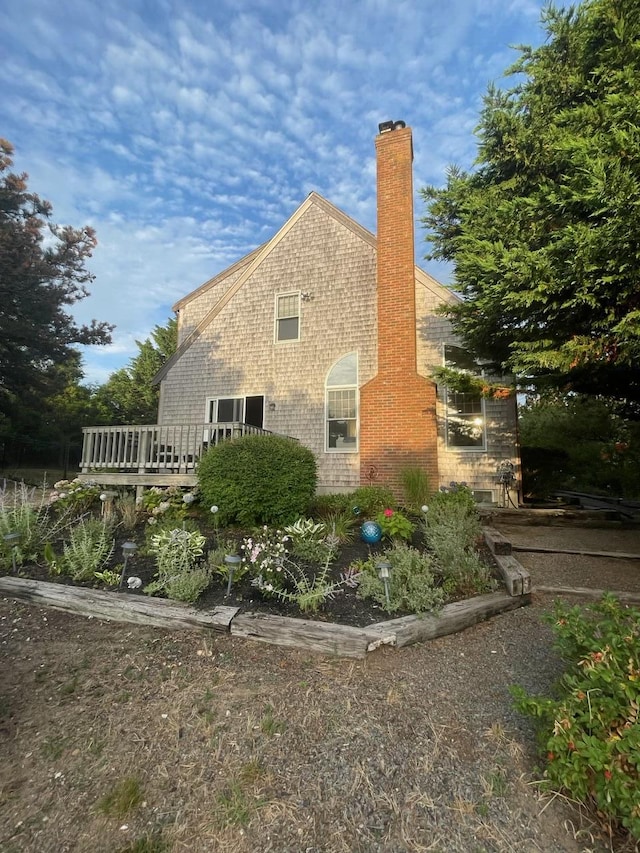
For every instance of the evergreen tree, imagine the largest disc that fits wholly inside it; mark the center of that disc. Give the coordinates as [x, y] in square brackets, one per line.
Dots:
[544, 235]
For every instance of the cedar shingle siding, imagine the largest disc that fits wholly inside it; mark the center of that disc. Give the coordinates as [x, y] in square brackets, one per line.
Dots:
[227, 349]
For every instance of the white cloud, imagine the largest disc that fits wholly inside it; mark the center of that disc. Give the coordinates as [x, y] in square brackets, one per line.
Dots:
[186, 137]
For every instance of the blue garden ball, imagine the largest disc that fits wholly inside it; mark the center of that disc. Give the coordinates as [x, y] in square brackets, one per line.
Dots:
[371, 532]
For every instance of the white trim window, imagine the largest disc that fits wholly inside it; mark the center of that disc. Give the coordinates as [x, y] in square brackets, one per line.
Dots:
[230, 410]
[465, 414]
[341, 406]
[287, 317]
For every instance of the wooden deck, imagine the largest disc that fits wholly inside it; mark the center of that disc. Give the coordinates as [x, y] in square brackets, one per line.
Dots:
[152, 454]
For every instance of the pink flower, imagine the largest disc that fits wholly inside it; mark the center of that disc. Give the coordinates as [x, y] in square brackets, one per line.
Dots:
[388, 513]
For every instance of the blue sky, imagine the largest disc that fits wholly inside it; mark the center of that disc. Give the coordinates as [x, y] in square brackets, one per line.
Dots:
[187, 133]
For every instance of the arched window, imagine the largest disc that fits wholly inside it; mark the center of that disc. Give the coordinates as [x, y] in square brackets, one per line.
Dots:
[342, 406]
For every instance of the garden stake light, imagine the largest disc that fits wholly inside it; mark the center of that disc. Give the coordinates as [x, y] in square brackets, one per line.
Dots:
[425, 510]
[384, 571]
[12, 540]
[232, 561]
[128, 550]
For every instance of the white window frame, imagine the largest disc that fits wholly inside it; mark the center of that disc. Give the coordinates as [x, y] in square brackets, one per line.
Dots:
[462, 448]
[215, 400]
[349, 448]
[277, 318]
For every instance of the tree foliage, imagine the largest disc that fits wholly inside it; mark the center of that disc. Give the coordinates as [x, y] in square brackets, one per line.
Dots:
[544, 235]
[129, 396]
[579, 442]
[42, 274]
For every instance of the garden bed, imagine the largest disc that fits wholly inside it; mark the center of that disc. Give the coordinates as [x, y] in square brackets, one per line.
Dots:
[321, 605]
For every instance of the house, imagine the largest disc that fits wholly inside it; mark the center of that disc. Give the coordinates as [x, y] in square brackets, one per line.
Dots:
[328, 334]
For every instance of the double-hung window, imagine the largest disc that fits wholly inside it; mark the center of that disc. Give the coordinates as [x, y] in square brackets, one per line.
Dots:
[342, 405]
[465, 416]
[287, 319]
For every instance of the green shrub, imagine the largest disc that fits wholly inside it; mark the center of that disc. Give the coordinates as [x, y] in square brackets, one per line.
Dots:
[88, 549]
[258, 479]
[451, 532]
[412, 584]
[322, 506]
[457, 494]
[372, 499]
[591, 731]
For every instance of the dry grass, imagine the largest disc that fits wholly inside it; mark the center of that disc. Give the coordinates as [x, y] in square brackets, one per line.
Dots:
[228, 746]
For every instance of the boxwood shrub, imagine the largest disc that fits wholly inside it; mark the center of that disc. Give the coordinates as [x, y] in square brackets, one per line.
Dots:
[258, 479]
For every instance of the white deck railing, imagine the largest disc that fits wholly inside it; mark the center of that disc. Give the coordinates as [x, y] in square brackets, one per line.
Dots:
[152, 447]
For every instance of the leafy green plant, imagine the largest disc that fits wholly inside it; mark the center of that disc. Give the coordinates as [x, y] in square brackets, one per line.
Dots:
[412, 583]
[370, 500]
[76, 495]
[591, 731]
[108, 577]
[455, 494]
[394, 524]
[308, 592]
[177, 554]
[258, 479]
[264, 554]
[88, 549]
[171, 502]
[35, 523]
[122, 799]
[415, 487]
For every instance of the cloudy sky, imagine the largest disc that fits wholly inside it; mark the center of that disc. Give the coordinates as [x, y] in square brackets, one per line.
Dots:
[187, 132]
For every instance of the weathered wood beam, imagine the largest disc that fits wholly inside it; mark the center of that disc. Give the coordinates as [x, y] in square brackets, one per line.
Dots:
[453, 617]
[496, 541]
[514, 575]
[324, 637]
[121, 607]
[588, 592]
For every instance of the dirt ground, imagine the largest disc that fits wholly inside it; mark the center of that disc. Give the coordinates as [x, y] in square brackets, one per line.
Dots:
[119, 738]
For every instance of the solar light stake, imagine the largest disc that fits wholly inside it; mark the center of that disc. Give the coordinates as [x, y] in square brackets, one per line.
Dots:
[384, 571]
[128, 550]
[12, 540]
[232, 561]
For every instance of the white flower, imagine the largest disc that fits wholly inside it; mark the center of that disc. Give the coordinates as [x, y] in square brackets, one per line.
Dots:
[424, 508]
[214, 509]
[134, 582]
[188, 498]
[153, 521]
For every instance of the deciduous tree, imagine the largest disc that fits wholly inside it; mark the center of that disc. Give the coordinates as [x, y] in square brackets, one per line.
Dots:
[42, 274]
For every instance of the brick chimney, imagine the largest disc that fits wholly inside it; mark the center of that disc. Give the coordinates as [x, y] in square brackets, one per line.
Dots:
[398, 406]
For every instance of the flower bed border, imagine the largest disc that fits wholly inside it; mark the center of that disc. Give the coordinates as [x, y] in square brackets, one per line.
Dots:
[304, 634]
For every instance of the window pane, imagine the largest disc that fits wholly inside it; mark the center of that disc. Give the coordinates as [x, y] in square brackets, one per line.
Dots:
[342, 434]
[229, 411]
[288, 329]
[345, 372]
[288, 306]
[341, 404]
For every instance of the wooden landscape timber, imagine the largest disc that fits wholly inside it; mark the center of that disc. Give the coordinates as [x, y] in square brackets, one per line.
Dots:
[514, 575]
[120, 607]
[304, 634]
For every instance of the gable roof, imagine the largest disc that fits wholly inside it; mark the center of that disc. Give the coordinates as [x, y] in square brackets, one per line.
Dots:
[254, 259]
